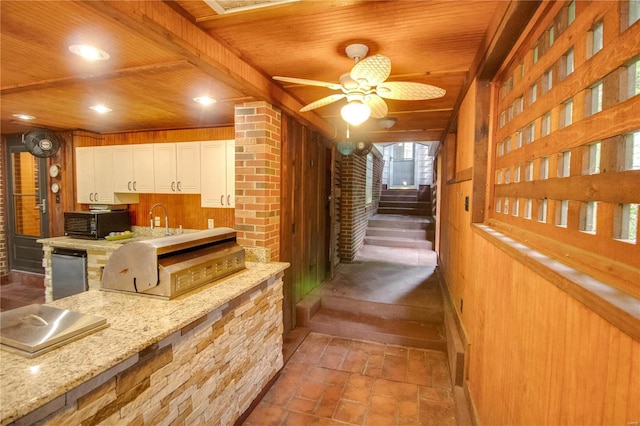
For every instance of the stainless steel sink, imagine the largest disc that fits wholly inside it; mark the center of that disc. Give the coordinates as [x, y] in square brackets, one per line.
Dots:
[36, 329]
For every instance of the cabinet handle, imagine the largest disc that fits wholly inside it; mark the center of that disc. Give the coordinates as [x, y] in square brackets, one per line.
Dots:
[228, 202]
[91, 196]
[134, 186]
[129, 185]
[95, 196]
[173, 186]
[179, 186]
[222, 200]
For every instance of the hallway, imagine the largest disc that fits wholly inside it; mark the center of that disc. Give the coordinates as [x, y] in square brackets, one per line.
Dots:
[352, 380]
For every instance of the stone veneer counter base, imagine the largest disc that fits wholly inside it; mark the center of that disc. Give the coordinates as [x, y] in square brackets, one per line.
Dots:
[202, 357]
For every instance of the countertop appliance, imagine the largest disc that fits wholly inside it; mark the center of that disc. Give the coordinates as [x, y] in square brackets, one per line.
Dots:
[94, 225]
[68, 272]
[36, 329]
[167, 267]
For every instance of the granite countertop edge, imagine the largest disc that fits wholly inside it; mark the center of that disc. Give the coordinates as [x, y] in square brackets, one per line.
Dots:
[27, 384]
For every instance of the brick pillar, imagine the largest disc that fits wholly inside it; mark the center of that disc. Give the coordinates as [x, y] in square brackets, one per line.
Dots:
[258, 139]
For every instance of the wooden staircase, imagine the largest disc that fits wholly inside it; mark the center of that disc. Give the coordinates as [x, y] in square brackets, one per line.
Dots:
[404, 220]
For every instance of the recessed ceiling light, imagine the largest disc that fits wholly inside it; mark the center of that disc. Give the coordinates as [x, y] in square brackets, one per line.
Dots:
[205, 100]
[101, 109]
[23, 116]
[89, 53]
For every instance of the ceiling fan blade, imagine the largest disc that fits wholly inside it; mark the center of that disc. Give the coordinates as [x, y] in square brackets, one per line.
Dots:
[372, 70]
[409, 91]
[377, 105]
[322, 102]
[333, 86]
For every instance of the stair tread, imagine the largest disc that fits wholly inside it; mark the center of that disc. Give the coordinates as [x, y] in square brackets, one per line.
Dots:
[400, 327]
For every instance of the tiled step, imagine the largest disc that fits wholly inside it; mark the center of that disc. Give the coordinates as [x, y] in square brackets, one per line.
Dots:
[393, 331]
[378, 221]
[398, 242]
[386, 197]
[422, 205]
[431, 312]
[413, 234]
[404, 211]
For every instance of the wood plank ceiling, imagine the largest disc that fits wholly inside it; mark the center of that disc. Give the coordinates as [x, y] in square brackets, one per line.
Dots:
[163, 54]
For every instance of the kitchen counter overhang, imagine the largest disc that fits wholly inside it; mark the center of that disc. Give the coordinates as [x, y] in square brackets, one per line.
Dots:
[40, 386]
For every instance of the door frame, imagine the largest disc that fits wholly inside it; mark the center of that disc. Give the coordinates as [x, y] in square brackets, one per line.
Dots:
[13, 144]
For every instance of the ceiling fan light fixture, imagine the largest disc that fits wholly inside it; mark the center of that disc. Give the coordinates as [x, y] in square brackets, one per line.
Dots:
[355, 112]
[89, 53]
[387, 122]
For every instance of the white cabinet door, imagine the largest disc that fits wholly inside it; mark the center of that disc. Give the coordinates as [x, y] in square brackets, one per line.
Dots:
[84, 175]
[134, 166]
[103, 178]
[123, 163]
[188, 168]
[218, 174]
[164, 167]
[143, 169]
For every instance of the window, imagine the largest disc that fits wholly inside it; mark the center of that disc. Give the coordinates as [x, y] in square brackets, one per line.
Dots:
[568, 62]
[566, 113]
[545, 127]
[533, 93]
[626, 223]
[631, 151]
[542, 211]
[634, 11]
[595, 39]
[588, 213]
[530, 132]
[528, 171]
[518, 139]
[591, 159]
[633, 77]
[571, 12]
[544, 168]
[564, 164]
[547, 81]
[369, 179]
[527, 209]
[562, 213]
[596, 98]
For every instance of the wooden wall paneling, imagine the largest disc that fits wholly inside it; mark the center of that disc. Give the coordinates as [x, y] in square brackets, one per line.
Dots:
[287, 182]
[480, 150]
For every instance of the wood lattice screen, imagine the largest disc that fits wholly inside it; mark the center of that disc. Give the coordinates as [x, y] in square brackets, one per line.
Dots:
[567, 135]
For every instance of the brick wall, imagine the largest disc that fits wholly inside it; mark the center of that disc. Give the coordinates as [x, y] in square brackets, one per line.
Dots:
[258, 142]
[354, 213]
[208, 373]
[4, 266]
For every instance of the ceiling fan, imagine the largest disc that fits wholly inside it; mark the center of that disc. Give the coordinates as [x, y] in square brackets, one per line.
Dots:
[364, 87]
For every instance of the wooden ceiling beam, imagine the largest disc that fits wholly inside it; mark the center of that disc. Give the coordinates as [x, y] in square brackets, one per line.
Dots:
[64, 81]
[160, 23]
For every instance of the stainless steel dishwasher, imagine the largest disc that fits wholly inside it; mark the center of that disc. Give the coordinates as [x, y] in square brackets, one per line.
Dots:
[68, 272]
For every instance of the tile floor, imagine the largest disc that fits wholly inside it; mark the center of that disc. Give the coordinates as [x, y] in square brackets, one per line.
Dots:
[336, 381]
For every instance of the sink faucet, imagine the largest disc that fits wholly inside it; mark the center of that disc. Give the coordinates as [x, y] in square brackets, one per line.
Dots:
[166, 217]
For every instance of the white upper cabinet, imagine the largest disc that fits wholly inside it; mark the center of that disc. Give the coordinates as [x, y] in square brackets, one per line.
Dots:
[218, 174]
[134, 164]
[177, 168]
[94, 177]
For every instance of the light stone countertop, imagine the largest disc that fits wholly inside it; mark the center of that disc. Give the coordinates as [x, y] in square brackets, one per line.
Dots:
[135, 322]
